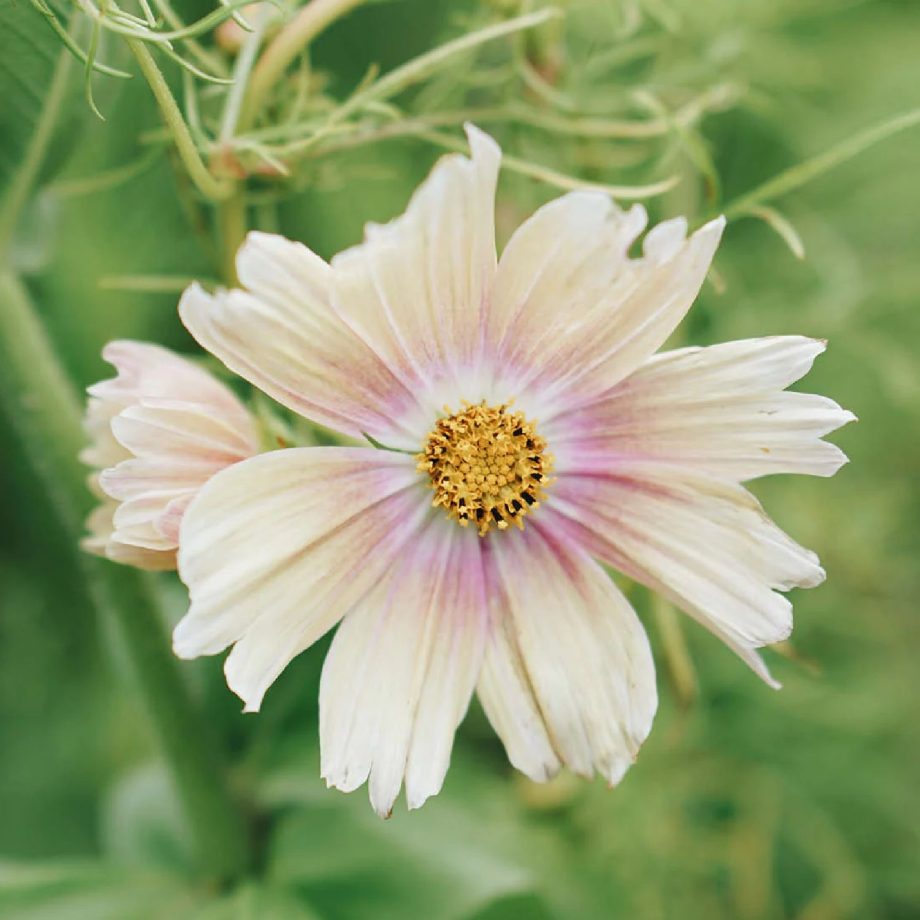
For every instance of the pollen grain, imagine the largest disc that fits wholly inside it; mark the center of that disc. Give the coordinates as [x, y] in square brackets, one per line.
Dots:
[487, 465]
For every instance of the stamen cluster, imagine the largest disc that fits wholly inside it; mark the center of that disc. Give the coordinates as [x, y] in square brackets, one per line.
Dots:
[487, 465]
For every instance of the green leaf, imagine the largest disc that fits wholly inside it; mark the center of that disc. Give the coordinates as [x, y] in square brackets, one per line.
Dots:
[142, 822]
[255, 901]
[441, 863]
[435, 865]
[80, 890]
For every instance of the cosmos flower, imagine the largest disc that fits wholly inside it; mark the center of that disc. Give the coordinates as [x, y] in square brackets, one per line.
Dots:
[532, 435]
[158, 431]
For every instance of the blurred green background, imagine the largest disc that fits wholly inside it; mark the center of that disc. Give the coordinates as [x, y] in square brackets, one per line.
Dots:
[744, 803]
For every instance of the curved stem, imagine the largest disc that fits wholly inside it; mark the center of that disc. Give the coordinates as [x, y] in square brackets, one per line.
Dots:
[290, 41]
[796, 176]
[207, 184]
[44, 410]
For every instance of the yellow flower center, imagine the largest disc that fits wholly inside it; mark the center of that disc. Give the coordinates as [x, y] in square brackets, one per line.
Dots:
[487, 466]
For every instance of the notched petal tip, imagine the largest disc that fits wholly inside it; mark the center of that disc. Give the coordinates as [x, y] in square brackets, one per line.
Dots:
[240, 678]
[126, 356]
[251, 697]
[415, 798]
[480, 141]
[664, 240]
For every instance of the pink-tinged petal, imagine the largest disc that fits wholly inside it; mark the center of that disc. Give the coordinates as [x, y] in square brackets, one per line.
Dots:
[174, 448]
[102, 450]
[558, 265]
[140, 558]
[159, 431]
[508, 699]
[100, 542]
[719, 410]
[572, 315]
[134, 521]
[282, 335]
[417, 289]
[147, 371]
[705, 544]
[276, 549]
[401, 671]
[568, 674]
[137, 477]
[191, 431]
[169, 520]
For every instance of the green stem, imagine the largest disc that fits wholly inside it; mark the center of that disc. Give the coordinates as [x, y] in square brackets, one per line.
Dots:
[241, 70]
[798, 175]
[44, 410]
[232, 226]
[207, 184]
[418, 69]
[290, 41]
[231, 213]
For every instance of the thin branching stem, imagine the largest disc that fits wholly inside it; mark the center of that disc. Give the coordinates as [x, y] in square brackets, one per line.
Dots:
[209, 186]
[71, 44]
[241, 74]
[284, 49]
[796, 176]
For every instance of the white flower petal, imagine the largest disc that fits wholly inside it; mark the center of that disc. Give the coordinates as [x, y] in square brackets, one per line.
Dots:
[705, 544]
[569, 653]
[147, 371]
[277, 548]
[401, 671]
[100, 541]
[416, 288]
[507, 697]
[174, 448]
[159, 430]
[283, 336]
[102, 450]
[135, 477]
[663, 241]
[140, 558]
[558, 265]
[720, 410]
[184, 429]
[134, 520]
[572, 315]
